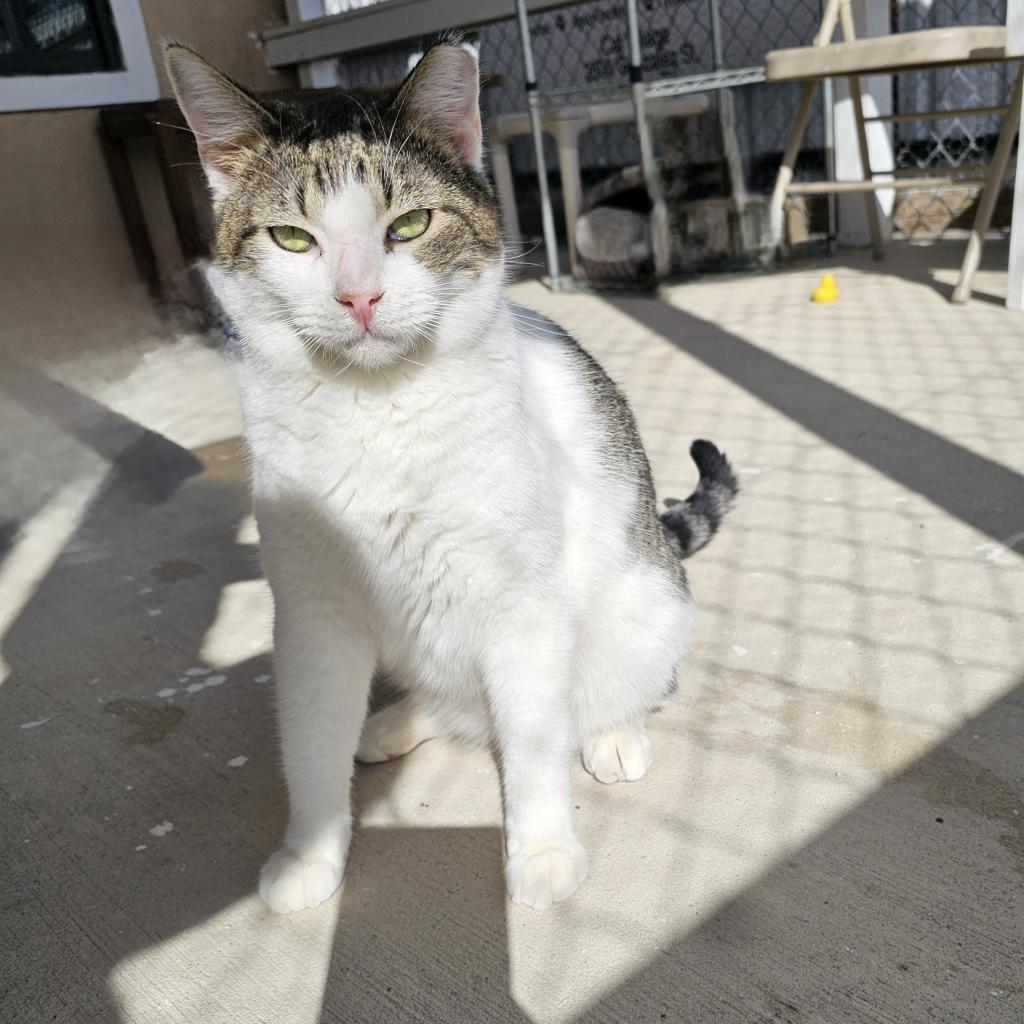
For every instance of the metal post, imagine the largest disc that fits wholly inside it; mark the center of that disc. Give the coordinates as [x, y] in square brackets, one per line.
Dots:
[659, 211]
[533, 105]
[716, 34]
[1015, 281]
[829, 107]
[727, 130]
[828, 99]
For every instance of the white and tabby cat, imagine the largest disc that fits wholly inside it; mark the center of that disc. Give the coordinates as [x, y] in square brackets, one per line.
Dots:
[448, 489]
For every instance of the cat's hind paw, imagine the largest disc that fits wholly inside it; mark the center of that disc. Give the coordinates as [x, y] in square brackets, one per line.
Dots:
[289, 883]
[546, 873]
[620, 755]
[395, 731]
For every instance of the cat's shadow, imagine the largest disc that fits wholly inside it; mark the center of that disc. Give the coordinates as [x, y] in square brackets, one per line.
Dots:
[121, 615]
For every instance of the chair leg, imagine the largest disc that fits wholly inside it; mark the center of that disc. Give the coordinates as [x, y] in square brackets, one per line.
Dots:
[502, 170]
[782, 182]
[870, 201]
[572, 187]
[126, 192]
[1015, 271]
[734, 166]
[987, 202]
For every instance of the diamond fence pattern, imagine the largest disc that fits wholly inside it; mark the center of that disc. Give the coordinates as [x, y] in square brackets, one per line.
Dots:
[585, 45]
[370, 70]
[573, 46]
[958, 143]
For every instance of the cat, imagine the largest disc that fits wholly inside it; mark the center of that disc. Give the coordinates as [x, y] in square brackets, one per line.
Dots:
[448, 488]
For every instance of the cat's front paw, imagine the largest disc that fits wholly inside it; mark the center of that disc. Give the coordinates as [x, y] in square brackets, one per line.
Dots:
[546, 873]
[289, 883]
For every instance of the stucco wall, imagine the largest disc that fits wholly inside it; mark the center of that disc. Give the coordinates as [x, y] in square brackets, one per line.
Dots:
[223, 32]
[55, 191]
[64, 235]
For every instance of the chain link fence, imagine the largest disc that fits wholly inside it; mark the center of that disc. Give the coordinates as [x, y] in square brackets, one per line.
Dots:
[963, 143]
[584, 47]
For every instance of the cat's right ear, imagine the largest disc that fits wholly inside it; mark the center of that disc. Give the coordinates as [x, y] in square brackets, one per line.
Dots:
[224, 118]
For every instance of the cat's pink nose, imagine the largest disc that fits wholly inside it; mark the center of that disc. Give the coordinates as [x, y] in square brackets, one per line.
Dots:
[360, 305]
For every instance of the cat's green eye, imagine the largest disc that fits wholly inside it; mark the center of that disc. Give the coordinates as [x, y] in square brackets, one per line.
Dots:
[409, 226]
[291, 238]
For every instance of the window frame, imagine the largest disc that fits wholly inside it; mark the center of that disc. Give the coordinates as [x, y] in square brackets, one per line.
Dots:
[136, 82]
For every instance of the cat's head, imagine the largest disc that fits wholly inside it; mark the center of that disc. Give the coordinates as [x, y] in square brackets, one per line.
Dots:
[362, 224]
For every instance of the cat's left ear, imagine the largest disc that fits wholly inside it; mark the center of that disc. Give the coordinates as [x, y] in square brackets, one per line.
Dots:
[442, 94]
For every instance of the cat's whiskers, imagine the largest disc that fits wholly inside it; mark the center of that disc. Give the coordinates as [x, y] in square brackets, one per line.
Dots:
[406, 359]
[535, 324]
[355, 99]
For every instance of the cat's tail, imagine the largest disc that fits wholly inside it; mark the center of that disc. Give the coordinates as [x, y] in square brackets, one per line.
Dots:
[690, 524]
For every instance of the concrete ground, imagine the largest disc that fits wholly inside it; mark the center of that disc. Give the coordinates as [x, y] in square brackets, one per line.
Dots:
[833, 829]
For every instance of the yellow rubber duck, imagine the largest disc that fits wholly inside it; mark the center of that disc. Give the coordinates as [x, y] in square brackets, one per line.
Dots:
[826, 290]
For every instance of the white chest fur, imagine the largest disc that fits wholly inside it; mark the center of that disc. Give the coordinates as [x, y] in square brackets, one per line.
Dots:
[432, 495]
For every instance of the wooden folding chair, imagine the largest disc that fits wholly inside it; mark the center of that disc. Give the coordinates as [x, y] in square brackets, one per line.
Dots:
[894, 54]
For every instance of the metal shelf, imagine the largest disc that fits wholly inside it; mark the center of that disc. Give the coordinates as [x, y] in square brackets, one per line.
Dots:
[577, 95]
[639, 92]
[706, 81]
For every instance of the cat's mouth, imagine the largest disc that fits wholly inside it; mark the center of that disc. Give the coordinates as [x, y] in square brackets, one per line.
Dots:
[371, 350]
[371, 335]
[343, 342]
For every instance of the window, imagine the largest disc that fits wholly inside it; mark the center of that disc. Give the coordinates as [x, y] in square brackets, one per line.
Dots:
[73, 53]
[57, 37]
